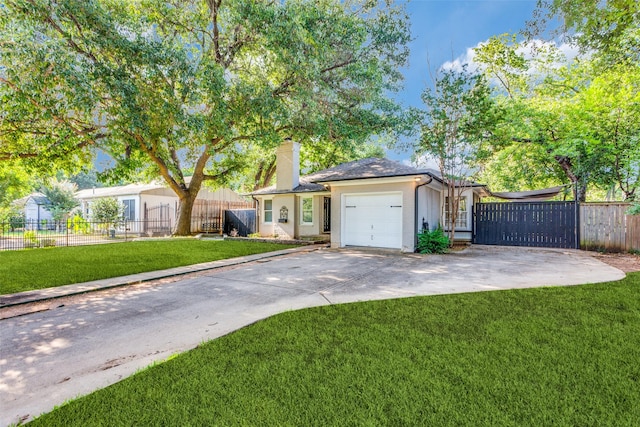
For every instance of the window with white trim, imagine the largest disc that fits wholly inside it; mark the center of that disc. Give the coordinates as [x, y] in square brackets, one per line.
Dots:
[462, 220]
[268, 211]
[129, 209]
[306, 208]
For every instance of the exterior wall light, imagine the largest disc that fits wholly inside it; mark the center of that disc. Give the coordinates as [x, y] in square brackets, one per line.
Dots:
[284, 214]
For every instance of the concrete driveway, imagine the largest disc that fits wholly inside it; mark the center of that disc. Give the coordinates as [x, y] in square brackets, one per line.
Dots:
[90, 341]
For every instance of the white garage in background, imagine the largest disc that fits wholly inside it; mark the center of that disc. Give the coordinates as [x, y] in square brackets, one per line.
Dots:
[372, 220]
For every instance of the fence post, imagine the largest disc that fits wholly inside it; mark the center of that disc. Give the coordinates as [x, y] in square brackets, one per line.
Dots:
[577, 224]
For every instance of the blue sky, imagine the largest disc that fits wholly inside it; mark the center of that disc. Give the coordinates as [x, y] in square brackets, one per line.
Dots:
[444, 30]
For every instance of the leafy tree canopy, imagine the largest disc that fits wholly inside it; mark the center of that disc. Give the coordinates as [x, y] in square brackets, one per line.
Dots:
[582, 116]
[61, 198]
[459, 121]
[177, 86]
[609, 28]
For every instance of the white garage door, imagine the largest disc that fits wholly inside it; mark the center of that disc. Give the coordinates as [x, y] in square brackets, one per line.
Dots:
[373, 220]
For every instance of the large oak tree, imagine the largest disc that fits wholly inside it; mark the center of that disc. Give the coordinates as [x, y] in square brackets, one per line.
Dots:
[179, 87]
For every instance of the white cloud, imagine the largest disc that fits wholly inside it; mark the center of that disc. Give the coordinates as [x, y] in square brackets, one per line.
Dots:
[567, 51]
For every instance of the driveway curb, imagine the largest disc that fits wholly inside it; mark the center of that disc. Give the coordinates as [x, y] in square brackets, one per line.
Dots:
[11, 300]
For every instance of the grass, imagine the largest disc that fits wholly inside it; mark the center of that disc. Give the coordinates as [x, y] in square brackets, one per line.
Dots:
[43, 268]
[546, 356]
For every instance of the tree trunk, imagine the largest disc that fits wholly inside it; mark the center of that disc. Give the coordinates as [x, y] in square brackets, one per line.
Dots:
[454, 203]
[580, 191]
[183, 220]
[185, 207]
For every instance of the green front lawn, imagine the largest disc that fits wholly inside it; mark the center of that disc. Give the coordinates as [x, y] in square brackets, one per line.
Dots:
[538, 357]
[44, 268]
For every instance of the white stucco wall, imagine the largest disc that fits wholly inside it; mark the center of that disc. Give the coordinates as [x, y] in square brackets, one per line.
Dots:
[293, 228]
[429, 207]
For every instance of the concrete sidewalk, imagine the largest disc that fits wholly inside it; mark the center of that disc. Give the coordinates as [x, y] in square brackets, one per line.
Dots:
[19, 298]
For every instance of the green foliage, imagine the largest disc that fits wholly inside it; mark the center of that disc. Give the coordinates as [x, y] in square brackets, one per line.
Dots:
[457, 130]
[433, 242]
[16, 221]
[563, 356]
[78, 225]
[184, 87]
[14, 184]
[30, 236]
[634, 209]
[578, 121]
[107, 210]
[458, 122]
[28, 270]
[11, 218]
[609, 30]
[61, 198]
[30, 239]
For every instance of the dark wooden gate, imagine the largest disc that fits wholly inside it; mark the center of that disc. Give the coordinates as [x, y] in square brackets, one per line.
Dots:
[536, 224]
[242, 220]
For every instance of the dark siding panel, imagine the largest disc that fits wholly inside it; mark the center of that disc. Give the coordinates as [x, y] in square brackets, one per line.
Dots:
[243, 220]
[536, 224]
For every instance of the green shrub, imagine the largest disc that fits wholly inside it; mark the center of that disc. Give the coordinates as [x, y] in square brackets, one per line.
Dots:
[48, 243]
[30, 236]
[109, 211]
[16, 222]
[634, 209]
[433, 242]
[79, 225]
[30, 239]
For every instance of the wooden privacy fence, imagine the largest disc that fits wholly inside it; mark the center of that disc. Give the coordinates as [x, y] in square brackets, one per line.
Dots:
[605, 226]
[208, 215]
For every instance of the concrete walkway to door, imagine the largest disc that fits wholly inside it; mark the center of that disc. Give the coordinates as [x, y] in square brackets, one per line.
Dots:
[96, 339]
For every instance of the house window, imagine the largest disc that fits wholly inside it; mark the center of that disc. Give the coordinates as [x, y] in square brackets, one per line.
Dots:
[462, 221]
[307, 210]
[268, 211]
[129, 209]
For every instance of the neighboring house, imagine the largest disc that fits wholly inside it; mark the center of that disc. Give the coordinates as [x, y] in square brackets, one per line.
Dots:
[370, 202]
[150, 202]
[36, 211]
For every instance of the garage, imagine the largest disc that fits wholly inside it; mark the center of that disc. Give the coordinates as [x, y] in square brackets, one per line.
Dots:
[372, 220]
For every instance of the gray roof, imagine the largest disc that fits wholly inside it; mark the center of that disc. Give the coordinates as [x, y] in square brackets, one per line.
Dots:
[39, 198]
[371, 167]
[304, 187]
[359, 169]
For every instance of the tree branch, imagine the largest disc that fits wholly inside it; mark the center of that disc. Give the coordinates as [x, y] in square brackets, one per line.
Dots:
[349, 61]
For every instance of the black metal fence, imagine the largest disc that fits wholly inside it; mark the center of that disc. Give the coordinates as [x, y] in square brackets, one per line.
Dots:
[21, 234]
[536, 224]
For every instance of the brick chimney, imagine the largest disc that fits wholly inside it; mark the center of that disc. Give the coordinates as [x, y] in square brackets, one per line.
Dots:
[288, 165]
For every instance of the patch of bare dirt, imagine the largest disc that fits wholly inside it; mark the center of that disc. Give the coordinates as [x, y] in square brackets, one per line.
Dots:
[622, 261]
